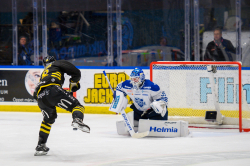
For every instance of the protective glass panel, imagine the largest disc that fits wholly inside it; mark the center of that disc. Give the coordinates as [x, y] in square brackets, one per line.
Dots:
[77, 31]
[217, 30]
[152, 31]
[25, 32]
[245, 33]
[5, 34]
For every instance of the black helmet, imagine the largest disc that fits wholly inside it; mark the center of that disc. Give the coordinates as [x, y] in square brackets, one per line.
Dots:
[48, 59]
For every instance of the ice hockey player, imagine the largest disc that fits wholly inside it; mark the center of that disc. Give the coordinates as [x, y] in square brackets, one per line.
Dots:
[49, 94]
[149, 102]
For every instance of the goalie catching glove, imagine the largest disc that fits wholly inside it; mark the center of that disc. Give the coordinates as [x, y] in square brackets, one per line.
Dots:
[159, 107]
[74, 86]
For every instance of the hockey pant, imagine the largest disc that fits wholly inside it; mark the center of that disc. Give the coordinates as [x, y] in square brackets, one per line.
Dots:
[48, 99]
[151, 114]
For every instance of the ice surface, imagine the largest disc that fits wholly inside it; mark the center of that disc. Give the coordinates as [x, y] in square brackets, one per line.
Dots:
[19, 134]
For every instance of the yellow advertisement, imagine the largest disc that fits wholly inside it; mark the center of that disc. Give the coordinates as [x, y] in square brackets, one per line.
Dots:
[101, 93]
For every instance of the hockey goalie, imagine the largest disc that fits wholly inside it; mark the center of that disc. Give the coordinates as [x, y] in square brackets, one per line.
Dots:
[149, 107]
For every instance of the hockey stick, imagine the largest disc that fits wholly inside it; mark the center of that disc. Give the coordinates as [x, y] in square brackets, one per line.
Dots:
[108, 81]
[126, 119]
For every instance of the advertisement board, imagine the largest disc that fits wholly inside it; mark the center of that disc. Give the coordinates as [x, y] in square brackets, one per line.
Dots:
[17, 87]
[18, 84]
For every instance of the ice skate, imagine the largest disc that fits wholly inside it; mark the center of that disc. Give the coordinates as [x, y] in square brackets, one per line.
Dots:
[41, 150]
[78, 124]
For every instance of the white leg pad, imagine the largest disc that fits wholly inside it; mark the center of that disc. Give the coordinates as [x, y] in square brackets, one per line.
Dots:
[131, 117]
[136, 123]
[121, 126]
[184, 129]
[162, 128]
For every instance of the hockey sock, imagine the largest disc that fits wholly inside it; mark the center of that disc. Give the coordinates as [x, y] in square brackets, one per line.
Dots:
[44, 132]
[77, 112]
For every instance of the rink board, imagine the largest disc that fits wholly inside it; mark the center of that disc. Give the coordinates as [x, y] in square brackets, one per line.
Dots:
[16, 85]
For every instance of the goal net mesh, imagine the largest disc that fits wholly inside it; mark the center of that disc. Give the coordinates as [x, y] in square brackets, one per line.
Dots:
[190, 92]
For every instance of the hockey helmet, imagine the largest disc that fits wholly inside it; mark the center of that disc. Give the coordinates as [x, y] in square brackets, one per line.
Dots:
[137, 78]
[47, 60]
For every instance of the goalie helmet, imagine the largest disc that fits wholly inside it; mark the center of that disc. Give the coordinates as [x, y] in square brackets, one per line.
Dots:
[47, 60]
[137, 78]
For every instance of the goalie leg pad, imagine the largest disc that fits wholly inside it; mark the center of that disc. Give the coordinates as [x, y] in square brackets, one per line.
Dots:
[161, 128]
[136, 123]
[121, 126]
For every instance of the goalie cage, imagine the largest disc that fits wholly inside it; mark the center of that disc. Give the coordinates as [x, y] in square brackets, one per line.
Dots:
[190, 93]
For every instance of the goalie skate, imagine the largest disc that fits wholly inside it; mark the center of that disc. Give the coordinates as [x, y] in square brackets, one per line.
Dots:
[41, 150]
[78, 124]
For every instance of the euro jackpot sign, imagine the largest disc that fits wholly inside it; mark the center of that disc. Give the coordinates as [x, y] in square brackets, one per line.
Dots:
[101, 93]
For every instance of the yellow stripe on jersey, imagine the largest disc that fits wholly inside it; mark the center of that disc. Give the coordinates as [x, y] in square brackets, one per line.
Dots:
[45, 131]
[57, 75]
[52, 75]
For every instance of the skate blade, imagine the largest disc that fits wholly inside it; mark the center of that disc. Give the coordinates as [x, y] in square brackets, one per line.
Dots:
[40, 153]
[83, 129]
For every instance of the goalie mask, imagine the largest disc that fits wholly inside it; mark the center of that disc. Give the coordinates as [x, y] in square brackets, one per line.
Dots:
[137, 78]
[47, 60]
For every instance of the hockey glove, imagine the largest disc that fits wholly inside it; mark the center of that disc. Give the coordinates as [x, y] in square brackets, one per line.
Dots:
[159, 107]
[74, 86]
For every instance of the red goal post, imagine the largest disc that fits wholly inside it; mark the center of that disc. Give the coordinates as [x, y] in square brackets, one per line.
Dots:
[188, 88]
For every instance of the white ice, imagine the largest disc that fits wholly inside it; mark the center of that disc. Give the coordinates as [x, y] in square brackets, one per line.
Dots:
[103, 146]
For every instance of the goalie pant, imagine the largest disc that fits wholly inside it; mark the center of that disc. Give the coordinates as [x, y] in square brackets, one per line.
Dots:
[48, 99]
[151, 114]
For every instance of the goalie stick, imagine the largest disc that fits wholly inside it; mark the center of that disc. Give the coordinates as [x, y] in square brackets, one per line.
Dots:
[126, 119]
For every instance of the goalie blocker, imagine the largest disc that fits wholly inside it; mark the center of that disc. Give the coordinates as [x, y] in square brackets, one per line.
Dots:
[119, 103]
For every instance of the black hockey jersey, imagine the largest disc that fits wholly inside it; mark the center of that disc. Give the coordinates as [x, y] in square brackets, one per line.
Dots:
[53, 74]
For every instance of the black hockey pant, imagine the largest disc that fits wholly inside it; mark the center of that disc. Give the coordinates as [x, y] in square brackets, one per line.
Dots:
[48, 99]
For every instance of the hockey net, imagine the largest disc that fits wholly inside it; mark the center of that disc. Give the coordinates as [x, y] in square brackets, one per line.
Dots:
[191, 93]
